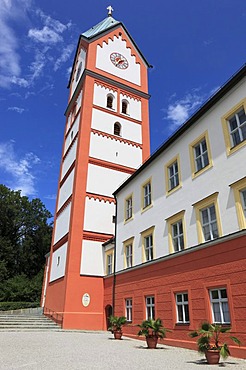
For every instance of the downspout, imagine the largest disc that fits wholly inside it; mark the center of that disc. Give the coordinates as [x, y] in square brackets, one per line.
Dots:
[114, 277]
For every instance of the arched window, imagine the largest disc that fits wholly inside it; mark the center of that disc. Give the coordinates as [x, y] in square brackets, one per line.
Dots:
[124, 106]
[117, 128]
[110, 99]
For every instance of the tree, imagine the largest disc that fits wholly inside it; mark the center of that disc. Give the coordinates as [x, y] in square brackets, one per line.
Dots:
[25, 236]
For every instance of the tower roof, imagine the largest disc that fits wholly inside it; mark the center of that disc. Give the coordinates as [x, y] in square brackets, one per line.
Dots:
[102, 26]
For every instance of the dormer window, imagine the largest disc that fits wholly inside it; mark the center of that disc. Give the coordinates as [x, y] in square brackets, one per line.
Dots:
[124, 106]
[117, 128]
[110, 99]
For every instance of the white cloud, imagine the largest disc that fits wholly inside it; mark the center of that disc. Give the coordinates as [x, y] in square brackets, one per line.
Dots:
[17, 109]
[9, 56]
[51, 32]
[19, 169]
[180, 110]
[45, 35]
[47, 31]
[67, 51]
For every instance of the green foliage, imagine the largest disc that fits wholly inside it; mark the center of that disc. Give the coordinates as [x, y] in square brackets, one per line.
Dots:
[152, 328]
[116, 322]
[7, 306]
[209, 338]
[25, 236]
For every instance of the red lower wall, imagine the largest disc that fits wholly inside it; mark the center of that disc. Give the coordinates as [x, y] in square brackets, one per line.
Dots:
[196, 271]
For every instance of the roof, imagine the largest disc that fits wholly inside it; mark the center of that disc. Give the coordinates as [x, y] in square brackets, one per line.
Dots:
[102, 26]
[222, 91]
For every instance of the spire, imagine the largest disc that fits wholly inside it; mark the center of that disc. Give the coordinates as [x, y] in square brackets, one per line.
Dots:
[110, 10]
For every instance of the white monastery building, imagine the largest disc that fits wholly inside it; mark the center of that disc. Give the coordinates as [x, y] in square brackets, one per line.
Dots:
[147, 236]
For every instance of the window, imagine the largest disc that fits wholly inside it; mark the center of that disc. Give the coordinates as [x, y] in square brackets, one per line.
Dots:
[219, 306]
[124, 106]
[78, 71]
[128, 208]
[243, 198]
[176, 232]
[234, 127]
[173, 175]
[172, 171]
[128, 252]
[146, 195]
[239, 189]
[148, 247]
[237, 127]
[109, 262]
[129, 255]
[200, 155]
[117, 128]
[150, 307]
[182, 307]
[110, 99]
[209, 223]
[178, 236]
[128, 305]
[148, 244]
[207, 217]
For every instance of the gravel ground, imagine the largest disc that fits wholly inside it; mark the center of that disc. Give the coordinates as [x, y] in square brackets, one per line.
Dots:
[89, 350]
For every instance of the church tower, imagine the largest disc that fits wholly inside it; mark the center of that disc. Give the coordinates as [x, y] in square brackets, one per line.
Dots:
[106, 138]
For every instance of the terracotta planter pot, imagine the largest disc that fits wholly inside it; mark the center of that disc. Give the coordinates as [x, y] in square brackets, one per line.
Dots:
[117, 334]
[152, 342]
[212, 356]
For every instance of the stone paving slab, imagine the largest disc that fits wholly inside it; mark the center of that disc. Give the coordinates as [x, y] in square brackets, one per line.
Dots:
[76, 350]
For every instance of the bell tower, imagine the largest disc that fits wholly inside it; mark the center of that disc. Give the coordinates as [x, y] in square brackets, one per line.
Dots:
[106, 138]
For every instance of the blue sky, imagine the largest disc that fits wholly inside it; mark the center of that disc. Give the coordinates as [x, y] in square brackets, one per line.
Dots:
[194, 47]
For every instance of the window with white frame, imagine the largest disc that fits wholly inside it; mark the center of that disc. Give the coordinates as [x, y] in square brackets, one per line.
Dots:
[178, 236]
[209, 223]
[128, 305]
[182, 307]
[109, 261]
[147, 194]
[219, 306]
[243, 198]
[148, 247]
[128, 205]
[128, 252]
[201, 155]
[237, 127]
[150, 307]
[173, 176]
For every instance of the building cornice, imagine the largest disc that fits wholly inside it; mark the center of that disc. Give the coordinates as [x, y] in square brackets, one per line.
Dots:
[98, 77]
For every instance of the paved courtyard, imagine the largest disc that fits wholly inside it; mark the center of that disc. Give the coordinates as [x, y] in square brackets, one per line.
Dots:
[87, 350]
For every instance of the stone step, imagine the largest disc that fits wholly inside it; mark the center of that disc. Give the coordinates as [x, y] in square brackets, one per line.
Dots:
[27, 322]
[31, 323]
[24, 317]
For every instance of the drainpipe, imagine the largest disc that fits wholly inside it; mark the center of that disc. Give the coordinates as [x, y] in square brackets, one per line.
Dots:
[114, 277]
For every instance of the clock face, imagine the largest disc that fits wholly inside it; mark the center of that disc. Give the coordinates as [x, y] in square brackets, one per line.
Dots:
[78, 71]
[119, 60]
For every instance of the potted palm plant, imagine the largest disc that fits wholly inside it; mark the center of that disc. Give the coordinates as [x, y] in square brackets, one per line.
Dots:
[152, 330]
[116, 323]
[209, 341]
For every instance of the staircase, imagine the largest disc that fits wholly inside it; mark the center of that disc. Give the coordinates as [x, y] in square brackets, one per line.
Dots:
[26, 320]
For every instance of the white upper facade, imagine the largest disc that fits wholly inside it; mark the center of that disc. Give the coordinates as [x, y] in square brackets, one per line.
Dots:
[193, 191]
[113, 52]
